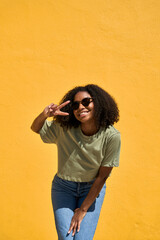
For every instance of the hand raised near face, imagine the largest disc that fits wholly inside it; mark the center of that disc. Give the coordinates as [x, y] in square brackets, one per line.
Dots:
[54, 110]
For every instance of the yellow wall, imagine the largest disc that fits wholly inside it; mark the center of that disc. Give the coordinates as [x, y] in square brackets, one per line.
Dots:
[48, 47]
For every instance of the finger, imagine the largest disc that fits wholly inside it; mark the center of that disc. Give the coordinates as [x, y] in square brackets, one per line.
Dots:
[53, 106]
[71, 227]
[53, 109]
[74, 229]
[62, 113]
[78, 227]
[63, 104]
[50, 105]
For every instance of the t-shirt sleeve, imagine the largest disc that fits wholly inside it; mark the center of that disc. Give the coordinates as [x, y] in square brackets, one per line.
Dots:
[49, 132]
[112, 153]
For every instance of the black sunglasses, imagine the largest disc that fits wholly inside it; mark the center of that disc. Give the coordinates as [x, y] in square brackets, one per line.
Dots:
[85, 102]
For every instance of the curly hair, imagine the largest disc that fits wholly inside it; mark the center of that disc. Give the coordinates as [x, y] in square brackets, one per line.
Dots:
[106, 109]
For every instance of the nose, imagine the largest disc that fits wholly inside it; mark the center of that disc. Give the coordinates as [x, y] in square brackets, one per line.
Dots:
[81, 106]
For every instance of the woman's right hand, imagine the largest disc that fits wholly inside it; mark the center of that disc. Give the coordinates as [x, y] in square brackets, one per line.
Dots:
[54, 110]
[49, 111]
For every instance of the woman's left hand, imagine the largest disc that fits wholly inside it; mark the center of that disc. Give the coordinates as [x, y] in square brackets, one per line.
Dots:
[76, 221]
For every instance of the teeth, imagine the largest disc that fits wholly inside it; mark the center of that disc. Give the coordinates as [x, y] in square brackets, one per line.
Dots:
[83, 113]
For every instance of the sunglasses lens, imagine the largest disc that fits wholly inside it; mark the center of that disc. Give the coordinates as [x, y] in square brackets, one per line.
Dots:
[86, 102]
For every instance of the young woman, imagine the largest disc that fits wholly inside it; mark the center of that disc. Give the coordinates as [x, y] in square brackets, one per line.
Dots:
[88, 148]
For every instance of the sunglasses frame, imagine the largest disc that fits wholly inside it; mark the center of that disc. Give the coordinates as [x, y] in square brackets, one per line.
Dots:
[78, 103]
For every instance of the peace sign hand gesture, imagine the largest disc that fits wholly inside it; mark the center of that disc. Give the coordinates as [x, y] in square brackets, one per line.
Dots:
[49, 111]
[54, 110]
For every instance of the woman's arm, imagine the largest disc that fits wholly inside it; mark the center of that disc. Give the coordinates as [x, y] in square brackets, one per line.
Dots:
[93, 193]
[38, 122]
[49, 111]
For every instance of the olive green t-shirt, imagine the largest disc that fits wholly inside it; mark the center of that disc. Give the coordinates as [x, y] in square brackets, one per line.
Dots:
[80, 156]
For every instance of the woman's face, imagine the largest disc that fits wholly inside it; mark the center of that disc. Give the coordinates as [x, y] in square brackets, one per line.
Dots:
[84, 113]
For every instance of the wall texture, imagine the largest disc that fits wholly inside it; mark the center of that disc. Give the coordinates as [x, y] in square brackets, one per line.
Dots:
[48, 47]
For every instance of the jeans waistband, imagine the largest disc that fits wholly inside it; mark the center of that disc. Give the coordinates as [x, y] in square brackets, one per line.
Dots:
[79, 183]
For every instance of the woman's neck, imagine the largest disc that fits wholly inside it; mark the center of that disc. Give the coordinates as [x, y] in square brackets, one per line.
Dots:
[89, 129]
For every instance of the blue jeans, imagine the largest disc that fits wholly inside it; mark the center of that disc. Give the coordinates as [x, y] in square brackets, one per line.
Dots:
[66, 197]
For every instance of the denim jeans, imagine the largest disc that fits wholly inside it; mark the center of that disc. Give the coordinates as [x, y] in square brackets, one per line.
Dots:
[66, 197]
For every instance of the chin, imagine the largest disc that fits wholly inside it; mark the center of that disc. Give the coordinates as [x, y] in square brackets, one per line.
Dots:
[85, 120]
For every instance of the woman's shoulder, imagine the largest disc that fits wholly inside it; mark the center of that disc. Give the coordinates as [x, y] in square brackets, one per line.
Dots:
[52, 123]
[111, 131]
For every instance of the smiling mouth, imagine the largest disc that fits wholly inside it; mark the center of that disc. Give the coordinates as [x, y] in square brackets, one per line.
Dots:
[82, 114]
